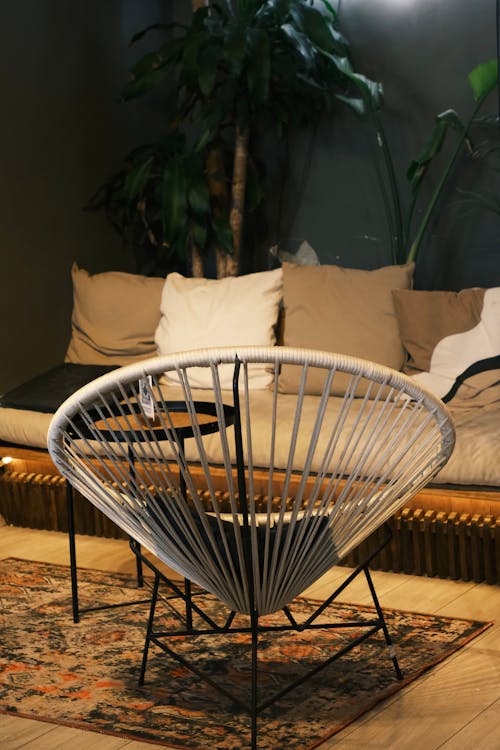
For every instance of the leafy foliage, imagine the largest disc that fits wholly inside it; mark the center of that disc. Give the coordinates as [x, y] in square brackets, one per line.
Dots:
[237, 63]
[406, 238]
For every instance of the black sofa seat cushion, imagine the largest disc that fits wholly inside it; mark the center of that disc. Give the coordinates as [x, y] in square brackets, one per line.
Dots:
[47, 391]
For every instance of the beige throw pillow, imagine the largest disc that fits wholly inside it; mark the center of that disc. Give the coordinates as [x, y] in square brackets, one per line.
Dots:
[343, 310]
[446, 334]
[115, 316]
[234, 311]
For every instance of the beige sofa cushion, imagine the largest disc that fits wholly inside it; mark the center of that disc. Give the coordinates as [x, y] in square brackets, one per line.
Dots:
[234, 311]
[344, 310]
[446, 334]
[115, 316]
[473, 462]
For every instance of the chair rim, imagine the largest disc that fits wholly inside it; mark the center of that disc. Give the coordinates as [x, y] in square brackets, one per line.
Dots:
[253, 354]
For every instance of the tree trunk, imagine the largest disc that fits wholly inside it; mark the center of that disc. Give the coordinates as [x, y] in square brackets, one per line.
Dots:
[238, 200]
[196, 263]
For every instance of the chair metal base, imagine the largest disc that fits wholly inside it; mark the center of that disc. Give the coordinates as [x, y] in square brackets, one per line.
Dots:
[208, 627]
[76, 609]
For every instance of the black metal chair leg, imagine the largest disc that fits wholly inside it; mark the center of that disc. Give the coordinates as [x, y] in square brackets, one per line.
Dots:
[387, 636]
[138, 564]
[72, 552]
[149, 630]
[189, 608]
[254, 620]
[73, 566]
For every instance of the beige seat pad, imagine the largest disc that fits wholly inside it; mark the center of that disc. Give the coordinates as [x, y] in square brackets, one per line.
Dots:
[474, 461]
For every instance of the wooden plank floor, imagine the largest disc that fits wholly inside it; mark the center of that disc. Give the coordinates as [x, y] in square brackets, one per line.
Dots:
[455, 706]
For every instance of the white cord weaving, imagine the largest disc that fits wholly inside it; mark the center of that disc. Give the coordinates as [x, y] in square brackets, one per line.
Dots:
[336, 468]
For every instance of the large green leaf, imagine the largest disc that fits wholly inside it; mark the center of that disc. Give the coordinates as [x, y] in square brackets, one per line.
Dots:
[274, 11]
[199, 234]
[483, 79]
[144, 83]
[444, 121]
[316, 27]
[329, 7]
[173, 200]
[137, 179]
[235, 46]
[213, 112]
[170, 52]
[155, 27]
[372, 91]
[198, 193]
[259, 69]
[194, 42]
[203, 140]
[245, 10]
[301, 47]
[223, 233]
[207, 67]
[147, 64]
[357, 105]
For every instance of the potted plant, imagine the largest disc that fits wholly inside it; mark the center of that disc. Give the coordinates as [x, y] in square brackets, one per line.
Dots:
[238, 64]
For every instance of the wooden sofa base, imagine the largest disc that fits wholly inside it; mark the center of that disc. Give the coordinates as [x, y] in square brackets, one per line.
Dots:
[444, 532]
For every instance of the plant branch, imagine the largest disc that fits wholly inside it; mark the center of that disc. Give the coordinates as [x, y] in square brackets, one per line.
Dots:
[415, 246]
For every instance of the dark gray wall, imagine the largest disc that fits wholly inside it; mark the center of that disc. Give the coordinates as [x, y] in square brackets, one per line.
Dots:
[422, 51]
[62, 131]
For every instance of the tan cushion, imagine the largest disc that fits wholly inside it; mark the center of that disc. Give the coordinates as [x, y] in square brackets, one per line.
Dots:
[446, 333]
[115, 316]
[343, 310]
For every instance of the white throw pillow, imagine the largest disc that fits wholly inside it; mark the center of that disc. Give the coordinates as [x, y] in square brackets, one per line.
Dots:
[234, 311]
[448, 334]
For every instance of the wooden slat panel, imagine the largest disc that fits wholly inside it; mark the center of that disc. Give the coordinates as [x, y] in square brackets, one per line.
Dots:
[426, 541]
[485, 501]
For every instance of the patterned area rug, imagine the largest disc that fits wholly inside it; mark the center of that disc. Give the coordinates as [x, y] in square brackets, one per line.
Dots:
[85, 675]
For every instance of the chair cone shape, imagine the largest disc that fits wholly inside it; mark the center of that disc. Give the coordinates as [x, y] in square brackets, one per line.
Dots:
[186, 482]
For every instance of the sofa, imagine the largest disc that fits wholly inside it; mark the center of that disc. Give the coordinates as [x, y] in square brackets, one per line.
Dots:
[449, 342]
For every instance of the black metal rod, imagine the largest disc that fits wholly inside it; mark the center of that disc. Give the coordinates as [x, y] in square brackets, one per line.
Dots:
[75, 604]
[266, 629]
[189, 607]
[318, 668]
[115, 606]
[242, 490]
[385, 629]
[199, 673]
[351, 577]
[183, 489]
[135, 547]
[254, 687]
[149, 629]
[138, 558]
[72, 551]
